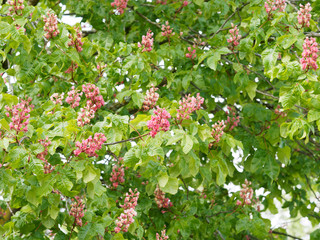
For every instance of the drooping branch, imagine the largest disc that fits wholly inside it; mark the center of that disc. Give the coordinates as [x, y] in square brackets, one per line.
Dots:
[285, 234]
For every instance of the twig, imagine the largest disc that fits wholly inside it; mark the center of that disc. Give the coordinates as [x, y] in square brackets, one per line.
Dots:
[227, 20]
[220, 234]
[126, 140]
[285, 234]
[185, 187]
[308, 182]
[148, 20]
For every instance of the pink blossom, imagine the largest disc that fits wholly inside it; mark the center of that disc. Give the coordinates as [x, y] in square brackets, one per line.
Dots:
[84, 116]
[163, 2]
[16, 7]
[93, 94]
[90, 145]
[188, 105]
[235, 37]
[48, 168]
[217, 132]
[167, 30]
[160, 198]
[273, 5]
[163, 235]
[304, 15]
[159, 122]
[101, 66]
[73, 97]
[76, 41]
[56, 98]
[246, 193]
[232, 120]
[121, 5]
[309, 54]
[72, 68]
[51, 25]
[191, 53]
[117, 174]
[19, 114]
[77, 210]
[126, 218]
[147, 42]
[150, 99]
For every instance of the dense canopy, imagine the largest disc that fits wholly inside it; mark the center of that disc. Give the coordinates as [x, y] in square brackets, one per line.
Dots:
[135, 122]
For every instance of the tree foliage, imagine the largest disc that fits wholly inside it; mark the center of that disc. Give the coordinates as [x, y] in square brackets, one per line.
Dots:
[133, 128]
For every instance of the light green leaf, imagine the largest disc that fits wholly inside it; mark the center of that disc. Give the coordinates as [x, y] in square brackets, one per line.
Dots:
[171, 186]
[284, 155]
[186, 143]
[251, 89]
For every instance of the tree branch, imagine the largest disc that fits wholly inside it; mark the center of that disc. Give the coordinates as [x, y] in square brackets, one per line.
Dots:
[308, 182]
[285, 234]
[227, 20]
[126, 140]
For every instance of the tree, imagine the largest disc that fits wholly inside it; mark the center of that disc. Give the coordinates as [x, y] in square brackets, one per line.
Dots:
[131, 128]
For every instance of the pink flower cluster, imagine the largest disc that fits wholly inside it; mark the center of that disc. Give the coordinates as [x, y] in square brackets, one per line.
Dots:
[304, 15]
[147, 42]
[160, 198]
[16, 7]
[48, 168]
[56, 98]
[121, 5]
[126, 218]
[76, 41]
[188, 105]
[246, 193]
[72, 68]
[273, 5]
[163, 2]
[77, 210]
[117, 174]
[94, 102]
[279, 112]
[217, 132]
[232, 121]
[92, 93]
[235, 37]
[192, 52]
[150, 99]
[101, 66]
[166, 30]
[159, 122]
[84, 116]
[90, 145]
[309, 54]
[163, 235]
[19, 114]
[51, 25]
[73, 97]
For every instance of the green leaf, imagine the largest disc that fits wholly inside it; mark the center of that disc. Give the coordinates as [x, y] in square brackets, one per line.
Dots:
[272, 168]
[89, 174]
[213, 61]
[186, 143]
[171, 186]
[269, 58]
[163, 179]
[313, 115]
[137, 99]
[251, 89]
[284, 155]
